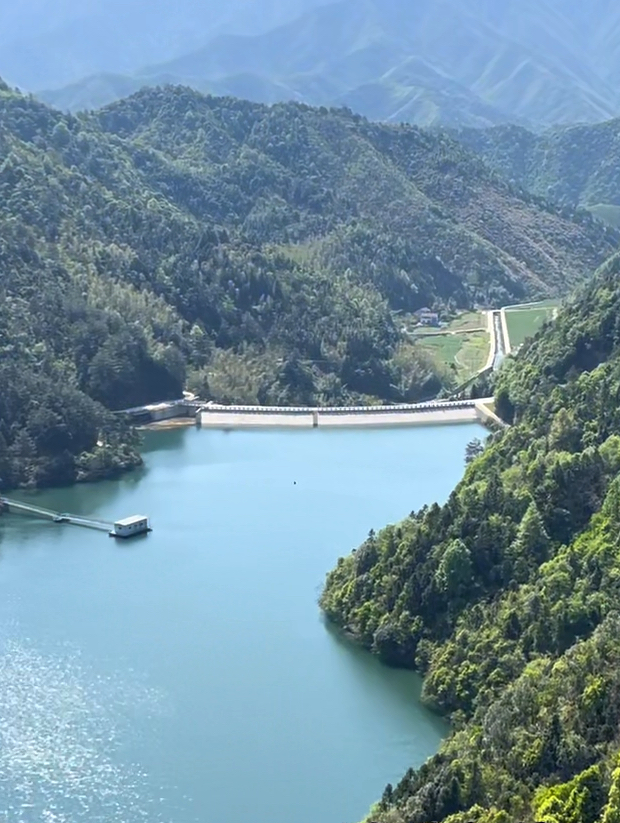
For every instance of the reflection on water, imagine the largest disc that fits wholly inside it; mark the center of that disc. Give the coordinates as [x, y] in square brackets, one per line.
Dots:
[401, 687]
[61, 731]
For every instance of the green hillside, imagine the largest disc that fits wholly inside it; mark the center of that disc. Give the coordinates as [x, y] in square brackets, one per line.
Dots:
[388, 203]
[506, 597]
[253, 254]
[573, 165]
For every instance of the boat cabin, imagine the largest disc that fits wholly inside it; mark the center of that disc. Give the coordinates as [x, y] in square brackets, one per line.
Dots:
[130, 526]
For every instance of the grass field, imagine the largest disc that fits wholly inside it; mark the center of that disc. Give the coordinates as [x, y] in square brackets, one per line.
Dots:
[462, 355]
[607, 212]
[524, 323]
[468, 321]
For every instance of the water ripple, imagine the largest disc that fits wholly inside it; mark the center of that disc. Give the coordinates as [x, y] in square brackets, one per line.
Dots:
[61, 730]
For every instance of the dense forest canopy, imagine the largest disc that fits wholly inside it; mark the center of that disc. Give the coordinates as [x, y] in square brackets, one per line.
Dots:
[506, 597]
[573, 165]
[317, 180]
[251, 253]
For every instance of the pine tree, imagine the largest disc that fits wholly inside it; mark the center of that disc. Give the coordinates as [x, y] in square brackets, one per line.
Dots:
[532, 541]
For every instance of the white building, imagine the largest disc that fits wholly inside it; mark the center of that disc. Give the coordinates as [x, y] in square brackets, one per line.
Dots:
[130, 526]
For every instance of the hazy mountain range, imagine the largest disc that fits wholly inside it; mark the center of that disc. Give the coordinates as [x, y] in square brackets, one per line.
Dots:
[538, 62]
[52, 44]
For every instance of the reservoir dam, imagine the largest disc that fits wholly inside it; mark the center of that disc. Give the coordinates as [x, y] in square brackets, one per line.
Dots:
[218, 416]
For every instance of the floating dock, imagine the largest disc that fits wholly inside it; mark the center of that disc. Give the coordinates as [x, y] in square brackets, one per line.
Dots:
[130, 526]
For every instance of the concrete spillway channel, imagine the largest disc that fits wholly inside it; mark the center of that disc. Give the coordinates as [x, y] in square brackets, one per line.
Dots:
[500, 342]
[18, 507]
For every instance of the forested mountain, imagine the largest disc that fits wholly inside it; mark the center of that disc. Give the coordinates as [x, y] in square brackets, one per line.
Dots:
[449, 62]
[255, 254]
[410, 211]
[506, 597]
[572, 165]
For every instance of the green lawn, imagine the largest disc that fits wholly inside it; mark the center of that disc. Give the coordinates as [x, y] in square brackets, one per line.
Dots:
[462, 355]
[524, 323]
[607, 212]
[549, 303]
[473, 355]
[468, 321]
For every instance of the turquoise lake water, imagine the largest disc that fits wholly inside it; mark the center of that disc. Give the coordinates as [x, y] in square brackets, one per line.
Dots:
[188, 676]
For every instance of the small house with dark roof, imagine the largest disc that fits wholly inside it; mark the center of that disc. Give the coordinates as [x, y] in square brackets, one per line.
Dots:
[427, 317]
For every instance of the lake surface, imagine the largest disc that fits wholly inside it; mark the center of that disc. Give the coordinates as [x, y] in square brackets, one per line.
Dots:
[187, 676]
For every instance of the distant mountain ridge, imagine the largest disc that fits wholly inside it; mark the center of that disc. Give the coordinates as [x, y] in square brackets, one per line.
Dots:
[444, 62]
[52, 44]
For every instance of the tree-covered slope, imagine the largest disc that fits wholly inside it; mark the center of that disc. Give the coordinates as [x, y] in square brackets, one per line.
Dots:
[254, 254]
[507, 596]
[289, 174]
[94, 204]
[111, 295]
[577, 165]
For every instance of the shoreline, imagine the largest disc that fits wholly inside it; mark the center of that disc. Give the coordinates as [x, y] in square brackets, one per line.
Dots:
[254, 418]
[170, 423]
